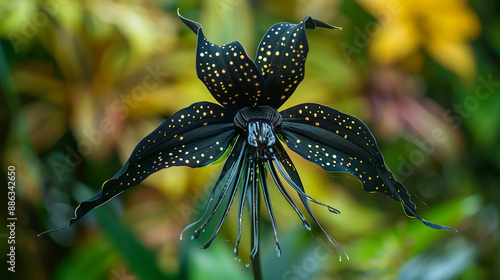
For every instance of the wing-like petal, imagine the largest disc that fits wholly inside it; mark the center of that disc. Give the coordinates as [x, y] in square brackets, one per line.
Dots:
[338, 142]
[227, 71]
[195, 136]
[281, 56]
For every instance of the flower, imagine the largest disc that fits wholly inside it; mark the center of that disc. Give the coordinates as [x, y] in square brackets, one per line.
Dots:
[249, 129]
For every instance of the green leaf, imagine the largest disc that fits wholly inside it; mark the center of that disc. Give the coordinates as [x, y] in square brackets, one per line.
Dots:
[141, 260]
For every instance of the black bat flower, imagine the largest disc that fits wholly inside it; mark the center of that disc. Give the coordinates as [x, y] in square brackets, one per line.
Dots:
[249, 128]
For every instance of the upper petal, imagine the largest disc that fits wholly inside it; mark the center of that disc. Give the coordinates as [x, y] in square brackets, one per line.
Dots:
[338, 142]
[281, 56]
[195, 136]
[227, 71]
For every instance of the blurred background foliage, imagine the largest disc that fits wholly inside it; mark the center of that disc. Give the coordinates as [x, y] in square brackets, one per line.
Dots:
[83, 81]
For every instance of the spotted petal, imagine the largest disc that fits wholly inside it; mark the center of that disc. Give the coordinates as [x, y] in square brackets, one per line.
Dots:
[227, 71]
[339, 142]
[281, 56]
[194, 136]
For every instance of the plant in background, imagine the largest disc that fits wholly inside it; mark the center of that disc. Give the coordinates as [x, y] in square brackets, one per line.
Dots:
[442, 28]
[249, 130]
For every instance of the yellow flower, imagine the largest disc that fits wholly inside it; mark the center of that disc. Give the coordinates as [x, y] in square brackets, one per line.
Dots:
[442, 28]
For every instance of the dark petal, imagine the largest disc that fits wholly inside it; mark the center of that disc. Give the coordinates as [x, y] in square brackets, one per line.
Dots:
[227, 71]
[195, 136]
[281, 56]
[289, 172]
[234, 171]
[254, 208]
[339, 142]
[269, 207]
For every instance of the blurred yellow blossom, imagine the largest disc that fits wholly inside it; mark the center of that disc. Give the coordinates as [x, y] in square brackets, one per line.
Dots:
[442, 28]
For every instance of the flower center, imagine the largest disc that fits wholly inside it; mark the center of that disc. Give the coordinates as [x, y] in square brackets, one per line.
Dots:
[259, 124]
[260, 134]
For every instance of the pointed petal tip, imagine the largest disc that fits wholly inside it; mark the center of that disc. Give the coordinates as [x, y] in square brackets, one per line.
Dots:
[333, 210]
[326, 25]
[436, 226]
[346, 256]
[254, 253]
[181, 235]
[71, 221]
[193, 25]
[312, 23]
[307, 225]
[194, 235]
[52, 230]
[206, 245]
[179, 13]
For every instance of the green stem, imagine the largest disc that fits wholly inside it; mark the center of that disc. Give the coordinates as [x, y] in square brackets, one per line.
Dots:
[257, 273]
[255, 208]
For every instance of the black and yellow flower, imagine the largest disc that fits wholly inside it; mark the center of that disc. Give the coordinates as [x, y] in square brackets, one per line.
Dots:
[248, 128]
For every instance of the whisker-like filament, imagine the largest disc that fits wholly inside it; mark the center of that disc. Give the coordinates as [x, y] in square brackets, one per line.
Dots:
[225, 169]
[209, 201]
[243, 195]
[283, 191]
[229, 181]
[254, 210]
[269, 207]
[330, 238]
[298, 186]
[285, 175]
[228, 206]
